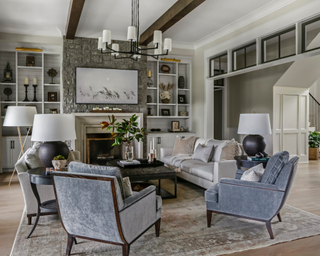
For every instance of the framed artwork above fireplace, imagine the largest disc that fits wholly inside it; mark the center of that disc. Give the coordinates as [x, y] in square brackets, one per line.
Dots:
[106, 86]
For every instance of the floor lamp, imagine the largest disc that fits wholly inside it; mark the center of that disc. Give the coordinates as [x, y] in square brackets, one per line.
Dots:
[19, 116]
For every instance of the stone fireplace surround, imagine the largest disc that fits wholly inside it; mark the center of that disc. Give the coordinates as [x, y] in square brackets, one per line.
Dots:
[90, 123]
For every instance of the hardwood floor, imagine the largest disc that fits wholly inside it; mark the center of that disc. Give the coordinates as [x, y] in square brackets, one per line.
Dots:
[305, 194]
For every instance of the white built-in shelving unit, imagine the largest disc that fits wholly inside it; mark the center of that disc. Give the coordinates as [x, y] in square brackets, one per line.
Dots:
[177, 69]
[43, 62]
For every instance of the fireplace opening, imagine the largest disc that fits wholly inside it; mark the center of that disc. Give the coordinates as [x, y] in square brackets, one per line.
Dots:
[100, 149]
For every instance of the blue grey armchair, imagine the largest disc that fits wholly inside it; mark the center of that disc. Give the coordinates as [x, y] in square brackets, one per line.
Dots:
[91, 206]
[260, 201]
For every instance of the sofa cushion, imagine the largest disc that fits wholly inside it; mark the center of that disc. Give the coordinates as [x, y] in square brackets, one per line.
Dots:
[228, 152]
[203, 153]
[212, 194]
[274, 167]
[100, 170]
[198, 168]
[175, 160]
[218, 144]
[253, 174]
[184, 146]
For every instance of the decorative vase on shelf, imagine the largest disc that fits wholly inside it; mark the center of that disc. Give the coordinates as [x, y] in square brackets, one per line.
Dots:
[165, 95]
[181, 82]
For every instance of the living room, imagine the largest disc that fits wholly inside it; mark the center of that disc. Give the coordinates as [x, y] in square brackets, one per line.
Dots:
[175, 127]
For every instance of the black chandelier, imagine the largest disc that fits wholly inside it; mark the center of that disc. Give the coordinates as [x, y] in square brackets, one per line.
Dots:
[135, 52]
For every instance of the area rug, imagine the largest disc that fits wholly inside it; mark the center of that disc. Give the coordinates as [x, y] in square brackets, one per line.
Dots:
[183, 232]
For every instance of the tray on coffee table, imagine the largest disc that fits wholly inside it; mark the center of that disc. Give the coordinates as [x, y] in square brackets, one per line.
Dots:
[143, 163]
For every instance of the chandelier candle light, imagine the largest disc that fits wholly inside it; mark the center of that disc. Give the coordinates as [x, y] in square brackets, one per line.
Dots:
[104, 42]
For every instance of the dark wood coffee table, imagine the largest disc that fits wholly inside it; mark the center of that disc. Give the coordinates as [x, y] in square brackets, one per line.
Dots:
[150, 173]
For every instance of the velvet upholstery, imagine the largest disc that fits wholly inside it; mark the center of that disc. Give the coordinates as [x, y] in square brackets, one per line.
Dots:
[274, 166]
[88, 210]
[254, 200]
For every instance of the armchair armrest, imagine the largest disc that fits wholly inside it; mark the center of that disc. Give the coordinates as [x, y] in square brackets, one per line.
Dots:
[137, 197]
[165, 152]
[250, 199]
[224, 169]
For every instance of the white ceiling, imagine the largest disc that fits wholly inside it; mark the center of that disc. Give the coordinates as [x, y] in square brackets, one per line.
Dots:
[48, 17]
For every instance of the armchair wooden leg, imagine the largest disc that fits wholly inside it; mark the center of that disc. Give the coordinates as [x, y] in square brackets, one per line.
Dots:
[69, 244]
[125, 249]
[29, 220]
[268, 224]
[157, 226]
[279, 217]
[209, 217]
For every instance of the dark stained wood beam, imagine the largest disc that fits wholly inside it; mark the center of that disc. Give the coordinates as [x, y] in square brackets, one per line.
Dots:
[176, 12]
[75, 10]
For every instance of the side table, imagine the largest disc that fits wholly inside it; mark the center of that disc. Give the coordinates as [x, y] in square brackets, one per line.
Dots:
[38, 176]
[243, 162]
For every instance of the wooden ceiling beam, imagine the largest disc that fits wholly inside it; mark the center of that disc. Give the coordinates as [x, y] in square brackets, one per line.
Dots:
[74, 15]
[176, 12]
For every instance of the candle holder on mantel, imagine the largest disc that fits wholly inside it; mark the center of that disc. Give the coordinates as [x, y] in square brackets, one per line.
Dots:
[35, 93]
[26, 91]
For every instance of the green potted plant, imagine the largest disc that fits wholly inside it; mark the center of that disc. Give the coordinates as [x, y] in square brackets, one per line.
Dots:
[59, 162]
[314, 143]
[125, 132]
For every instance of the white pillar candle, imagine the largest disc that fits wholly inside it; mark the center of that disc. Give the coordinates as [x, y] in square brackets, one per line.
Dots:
[26, 80]
[106, 36]
[158, 51]
[132, 33]
[34, 80]
[115, 47]
[100, 43]
[151, 147]
[157, 37]
[154, 142]
[167, 45]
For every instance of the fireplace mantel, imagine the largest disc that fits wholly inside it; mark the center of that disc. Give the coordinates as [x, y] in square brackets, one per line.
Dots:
[90, 123]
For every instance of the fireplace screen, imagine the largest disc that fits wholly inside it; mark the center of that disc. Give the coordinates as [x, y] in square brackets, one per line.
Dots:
[100, 150]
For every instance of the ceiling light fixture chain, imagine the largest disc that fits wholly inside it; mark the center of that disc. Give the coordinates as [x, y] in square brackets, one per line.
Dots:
[133, 37]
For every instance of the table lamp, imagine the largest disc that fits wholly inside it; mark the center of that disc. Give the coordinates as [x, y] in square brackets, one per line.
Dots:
[255, 125]
[53, 129]
[19, 116]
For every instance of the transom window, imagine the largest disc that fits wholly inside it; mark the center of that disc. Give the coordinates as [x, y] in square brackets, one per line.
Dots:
[244, 57]
[219, 65]
[311, 35]
[278, 46]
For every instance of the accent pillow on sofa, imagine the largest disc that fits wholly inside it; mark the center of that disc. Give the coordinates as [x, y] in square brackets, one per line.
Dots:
[229, 150]
[184, 146]
[253, 174]
[32, 157]
[218, 146]
[203, 153]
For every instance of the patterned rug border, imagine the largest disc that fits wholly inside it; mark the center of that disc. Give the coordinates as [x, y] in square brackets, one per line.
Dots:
[271, 242]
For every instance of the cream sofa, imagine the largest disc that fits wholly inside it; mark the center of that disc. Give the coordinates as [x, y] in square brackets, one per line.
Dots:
[45, 192]
[195, 171]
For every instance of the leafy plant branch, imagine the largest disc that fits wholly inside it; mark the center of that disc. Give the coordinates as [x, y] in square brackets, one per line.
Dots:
[314, 139]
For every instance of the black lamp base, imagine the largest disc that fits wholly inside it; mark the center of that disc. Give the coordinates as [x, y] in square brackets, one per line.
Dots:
[253, 144]
[49, 150]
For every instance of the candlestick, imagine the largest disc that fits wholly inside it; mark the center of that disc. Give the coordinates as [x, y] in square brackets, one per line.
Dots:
[34, 80]
[26, 91]
[34, 91]
[26, 80]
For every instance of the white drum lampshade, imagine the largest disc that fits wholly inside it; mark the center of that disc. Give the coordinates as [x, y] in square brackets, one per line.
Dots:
[19, 116]
[52, 129]
[254, 125]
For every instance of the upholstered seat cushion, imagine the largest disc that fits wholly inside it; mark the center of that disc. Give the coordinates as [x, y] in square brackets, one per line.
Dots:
[274, 166]
[175, 160]
[198, 168]
[100, 170]
[158, 202]
[212, 194]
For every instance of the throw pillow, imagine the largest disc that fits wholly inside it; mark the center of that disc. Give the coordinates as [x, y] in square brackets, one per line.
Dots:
[184, 146]
[218, 146]
[253, 174]
[127, 190]
[70, 157]
[203, 153]
[228, 151]
[32, 157]
[274, 167]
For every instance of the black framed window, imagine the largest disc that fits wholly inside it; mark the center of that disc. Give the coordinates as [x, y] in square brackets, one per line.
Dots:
[311, 35]
[219, 82]
[219, 65]
[244, 57]
[278, 46]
